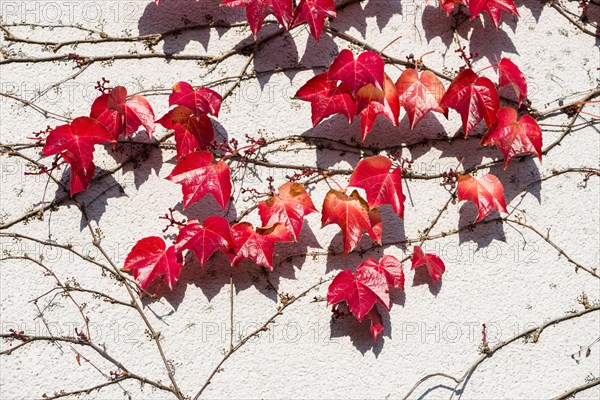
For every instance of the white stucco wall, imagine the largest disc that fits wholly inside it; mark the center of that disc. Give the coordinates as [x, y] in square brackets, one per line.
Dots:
[504, 276]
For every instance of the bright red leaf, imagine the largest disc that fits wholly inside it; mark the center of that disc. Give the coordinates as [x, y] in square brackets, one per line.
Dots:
[381, 185]
[376, 322]
[257, 244]
[493, 8]
[448, 5]
[150, 259]
[258, 10]
[435, 265]
[288, 207]
[360, 292]
[327, 98]
[514, 138]
[372, 101]
[191, 132]
[388, 266]
[75, 142]
[486, 192]
[420, 95]
[353, 215]
[511, 75]
[367, 68]
[314, 13]
[200, 101]
[474, 98]
[205, 240]
[199, 176]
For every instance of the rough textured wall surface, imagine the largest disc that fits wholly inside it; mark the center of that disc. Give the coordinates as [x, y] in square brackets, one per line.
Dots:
[503, 275]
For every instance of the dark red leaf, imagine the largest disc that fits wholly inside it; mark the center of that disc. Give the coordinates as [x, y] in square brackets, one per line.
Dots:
[201, 101]
[258, 10]
[314, 13]
[191, 132]
[327, 98]
[493, 8]
[367, 68]
[257, 244]
[376, 322]
[372, 101]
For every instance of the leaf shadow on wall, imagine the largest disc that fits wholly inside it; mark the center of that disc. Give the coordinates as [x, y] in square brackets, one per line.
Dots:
[359, 333]
[355, 16]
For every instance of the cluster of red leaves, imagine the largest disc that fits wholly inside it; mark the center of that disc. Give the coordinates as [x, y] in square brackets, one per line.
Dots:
[493, 8]
[361, 87]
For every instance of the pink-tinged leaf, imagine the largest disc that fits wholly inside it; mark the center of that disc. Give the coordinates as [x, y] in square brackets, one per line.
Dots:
[493, 8]
[388, 266]
[327, 98]
[353, 215]
[376, 322]
[191, 132]
[435, 265]
[360, 292]
[514, 138]
[150, 259]
[288, 207]
[134, 112]
[367, 68]
[75, 142]
[420, 95]
[258, 10]
[474, 98]
[205, 240]
[199, 176]
[448, 5]
[486, 192]
[381, 185]
[511, 75]
[257, 244]
[371, 102]
[201, 101]
[314, 13]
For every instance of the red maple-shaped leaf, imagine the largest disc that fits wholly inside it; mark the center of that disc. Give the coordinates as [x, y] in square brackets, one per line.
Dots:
[353, 215]
[493, 8]
[486, 192]
[199, 176]
[381, 185]
[327, 98]
[514, 138]
[191, 132]
[388, 266]
[133, 112]
[448, 5]
[75, 142]
[257, 244]
[361, 292]
[205, 240]
[376, 322]
[435, 265]
[110, 119]
[367, 68]
[200, 101]
[511, 75]
[314, 13]
[474, 98]
[150, 259]
[420, 95]
[258, 10]
[288, 207]
[372, 101]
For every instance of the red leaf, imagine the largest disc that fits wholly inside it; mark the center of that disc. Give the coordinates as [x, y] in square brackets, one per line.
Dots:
[381, 185]
[258, 10]
[257, 244]
[514, 138]
[486, 192]
[367, 68]
[199, 176]
[353, 216]
[372, 101]
[205, 240]
[473, 98]
[150, 259]
[511, 75]
[108, 118]
[327, 98]
[376, 323]
[289, 207]
[388, 266]
[133, 112]
[493, 8]
[360, 293]
[435, 265]
[191, 132]
[448, 5]
[75, 142]
[420, 95]
[200, 101]
[314, 13]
